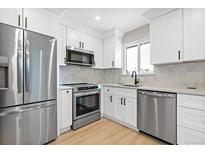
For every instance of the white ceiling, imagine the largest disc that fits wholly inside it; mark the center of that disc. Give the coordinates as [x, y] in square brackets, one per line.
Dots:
[123, 19]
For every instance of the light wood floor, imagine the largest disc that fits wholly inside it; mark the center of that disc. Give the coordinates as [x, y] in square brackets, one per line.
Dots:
[104, 132]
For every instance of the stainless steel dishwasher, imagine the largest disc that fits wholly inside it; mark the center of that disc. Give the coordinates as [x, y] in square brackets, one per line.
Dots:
[156, 114]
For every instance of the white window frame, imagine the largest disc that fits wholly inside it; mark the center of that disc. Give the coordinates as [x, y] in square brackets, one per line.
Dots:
[125, 46]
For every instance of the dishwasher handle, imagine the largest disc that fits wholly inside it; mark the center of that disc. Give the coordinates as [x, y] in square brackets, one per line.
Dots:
[156, 94]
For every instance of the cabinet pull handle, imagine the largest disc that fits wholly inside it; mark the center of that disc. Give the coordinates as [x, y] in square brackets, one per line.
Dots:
[67, 91]
[179, 54]
[124, 101]
[26, 22]
[121, 101]
[19, 20]
[80, 44]
[113, 63]
[110, 98]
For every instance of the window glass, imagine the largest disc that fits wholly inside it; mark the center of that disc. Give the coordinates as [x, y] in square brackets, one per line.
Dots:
[145, 66]
[132, 59]
[138, 59]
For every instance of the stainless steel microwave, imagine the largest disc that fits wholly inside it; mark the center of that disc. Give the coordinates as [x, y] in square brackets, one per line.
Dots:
[78, 56]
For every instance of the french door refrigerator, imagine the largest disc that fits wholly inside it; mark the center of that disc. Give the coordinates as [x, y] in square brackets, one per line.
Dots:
[28, 88]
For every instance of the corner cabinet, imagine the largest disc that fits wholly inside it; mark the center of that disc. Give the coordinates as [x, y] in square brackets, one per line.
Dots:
[112, 52]
[194, 34]
[166, 38]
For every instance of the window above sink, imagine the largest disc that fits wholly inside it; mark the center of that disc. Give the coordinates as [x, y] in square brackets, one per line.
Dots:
[137, 58]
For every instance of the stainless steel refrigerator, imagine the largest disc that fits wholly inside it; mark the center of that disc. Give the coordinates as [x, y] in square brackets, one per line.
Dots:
[28, 88]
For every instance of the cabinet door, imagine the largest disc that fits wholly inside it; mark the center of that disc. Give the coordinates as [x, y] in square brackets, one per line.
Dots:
[119, 108]
[191, 118]
[98, 52]
[109, 105]
[118, 53]
[109, 53]
[86, 42]
[37, 20]
[66, 108]
[166, 38]
[73, 38]
[61, 44]
[188, 136]
[194, 34]
[130, 111]
[11, 16]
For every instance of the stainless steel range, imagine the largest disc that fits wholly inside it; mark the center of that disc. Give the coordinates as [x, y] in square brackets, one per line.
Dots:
[86, 104]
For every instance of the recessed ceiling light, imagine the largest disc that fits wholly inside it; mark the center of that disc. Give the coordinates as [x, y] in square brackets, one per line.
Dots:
[97, 17]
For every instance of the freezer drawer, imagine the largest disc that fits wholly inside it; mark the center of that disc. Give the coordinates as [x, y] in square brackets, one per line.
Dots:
[156, 113]
[29, 124]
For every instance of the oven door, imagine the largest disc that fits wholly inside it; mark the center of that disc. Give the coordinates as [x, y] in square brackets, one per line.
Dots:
[86, 103]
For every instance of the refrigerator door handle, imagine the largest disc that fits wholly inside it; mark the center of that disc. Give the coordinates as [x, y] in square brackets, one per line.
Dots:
[19, 67]
[27, 66]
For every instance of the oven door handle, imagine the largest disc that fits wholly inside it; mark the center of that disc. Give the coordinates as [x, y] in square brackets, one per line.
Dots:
[86, 93]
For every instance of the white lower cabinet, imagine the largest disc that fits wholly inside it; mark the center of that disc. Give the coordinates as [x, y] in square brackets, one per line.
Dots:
[121, 105]
[108, 101]
[131, 111]
[188, 136]
[65, 109]
[190, 119]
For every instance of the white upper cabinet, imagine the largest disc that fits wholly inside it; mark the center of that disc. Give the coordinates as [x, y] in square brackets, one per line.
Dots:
[112, 52]
[73, 38]
[166, 38]
[78, 39]
[11, 16]
[86, 41]
[61, 44]
[98, 52]
[37, 20]
[194, 34]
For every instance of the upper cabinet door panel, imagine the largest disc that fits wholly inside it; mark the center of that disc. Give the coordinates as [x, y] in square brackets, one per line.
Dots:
[109, 52]
[37, 20]
[86, 41]
[98, 52]
[194, 34]
[11, 16]
[73, 38]
[166, 38]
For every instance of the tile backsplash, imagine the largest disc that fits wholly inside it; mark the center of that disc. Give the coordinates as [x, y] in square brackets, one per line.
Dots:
[172, 75]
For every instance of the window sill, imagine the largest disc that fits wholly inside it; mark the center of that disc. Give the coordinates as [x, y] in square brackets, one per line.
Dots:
[141, 74]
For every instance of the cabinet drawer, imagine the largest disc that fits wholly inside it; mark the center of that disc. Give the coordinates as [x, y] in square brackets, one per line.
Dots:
[126, 92]
[190, 101]
[191, 118]
[188, 136]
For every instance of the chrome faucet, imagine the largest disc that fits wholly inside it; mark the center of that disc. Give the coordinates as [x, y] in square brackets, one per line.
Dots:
[134, 74]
